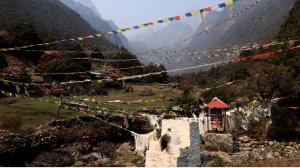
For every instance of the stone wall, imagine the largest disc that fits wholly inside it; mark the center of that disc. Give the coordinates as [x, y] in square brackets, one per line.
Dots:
[183, 149]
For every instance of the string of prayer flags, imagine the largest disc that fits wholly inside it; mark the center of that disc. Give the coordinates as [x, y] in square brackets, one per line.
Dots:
[170, 19]
[8, 94]
[265, 55]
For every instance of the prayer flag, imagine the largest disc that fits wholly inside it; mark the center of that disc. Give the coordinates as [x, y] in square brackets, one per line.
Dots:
[188, 14]
[229, 3]
[176, 17]
[166, 20]
[222, 5]
[195, 12]
[208, 9]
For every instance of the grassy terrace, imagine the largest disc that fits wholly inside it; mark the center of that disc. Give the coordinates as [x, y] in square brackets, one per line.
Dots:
[35, 112]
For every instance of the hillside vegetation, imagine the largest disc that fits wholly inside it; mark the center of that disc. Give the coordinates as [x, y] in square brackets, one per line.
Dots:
[279, 76]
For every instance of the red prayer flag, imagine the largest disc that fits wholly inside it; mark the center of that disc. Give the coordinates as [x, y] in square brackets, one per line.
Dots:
[177, 17]
[208, 9]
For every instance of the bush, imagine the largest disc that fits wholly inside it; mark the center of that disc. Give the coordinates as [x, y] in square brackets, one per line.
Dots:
[108, 149]
[13, 123]
[224, 147]
[218, 162]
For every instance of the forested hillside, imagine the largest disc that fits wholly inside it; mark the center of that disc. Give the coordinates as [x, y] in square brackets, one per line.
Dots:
[50, 26]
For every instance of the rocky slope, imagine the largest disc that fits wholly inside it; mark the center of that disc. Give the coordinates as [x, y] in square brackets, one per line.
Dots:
[256, 25]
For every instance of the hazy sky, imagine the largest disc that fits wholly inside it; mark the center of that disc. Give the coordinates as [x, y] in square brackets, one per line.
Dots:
[132, 12]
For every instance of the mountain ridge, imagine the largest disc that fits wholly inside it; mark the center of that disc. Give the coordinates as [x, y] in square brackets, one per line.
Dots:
[88, 12]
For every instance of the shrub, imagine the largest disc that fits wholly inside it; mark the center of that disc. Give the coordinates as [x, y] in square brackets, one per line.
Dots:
[218, 162]
[12, 123]
[224, 147]
[108, 149]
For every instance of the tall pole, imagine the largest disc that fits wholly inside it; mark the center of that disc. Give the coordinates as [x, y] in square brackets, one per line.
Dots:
[59, 107]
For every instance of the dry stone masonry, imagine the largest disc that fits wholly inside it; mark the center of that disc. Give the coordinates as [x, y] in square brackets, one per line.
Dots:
[183, 148]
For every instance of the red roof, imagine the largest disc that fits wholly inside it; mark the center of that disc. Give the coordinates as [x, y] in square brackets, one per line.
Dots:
[217, 103]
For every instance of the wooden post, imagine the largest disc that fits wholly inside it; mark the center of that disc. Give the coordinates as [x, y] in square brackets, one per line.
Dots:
[224, 118]
[59, 107]
[208, 114]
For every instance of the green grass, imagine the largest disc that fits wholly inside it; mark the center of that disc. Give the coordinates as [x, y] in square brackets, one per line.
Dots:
[135, 96]
[35, 112]
[32, 112]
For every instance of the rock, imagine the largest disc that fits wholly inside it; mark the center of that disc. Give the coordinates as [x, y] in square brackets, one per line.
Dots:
[78, 164]
[248, 145]
[271, 143]
[117, 163]
[104, 161]
[86, 157]
[290, 144]
[270, 155]
[276, 154]
[96, 155]
[246, 149]
[245, 139]
[130, 165]
[295, 145]
[261, 158]
[257, 143]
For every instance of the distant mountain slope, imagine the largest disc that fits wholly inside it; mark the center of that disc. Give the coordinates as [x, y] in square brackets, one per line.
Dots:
[256, 25]
[173, 32]
[89, 4]
[50, 18]
[88, 12]
[166, 34]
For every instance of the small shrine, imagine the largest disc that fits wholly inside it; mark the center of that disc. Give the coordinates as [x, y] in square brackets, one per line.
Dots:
[216, 115]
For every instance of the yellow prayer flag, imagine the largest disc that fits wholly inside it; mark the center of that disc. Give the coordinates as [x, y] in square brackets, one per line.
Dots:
[229, 3]
[195, 12]
[141, 26]
[166, 20]
[99, 81]
[98, 35]
[80, 38]
[119, 31]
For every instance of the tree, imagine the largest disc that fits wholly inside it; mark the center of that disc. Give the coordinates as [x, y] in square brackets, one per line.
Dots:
[22, 34]
[187, 101]
[275, 81]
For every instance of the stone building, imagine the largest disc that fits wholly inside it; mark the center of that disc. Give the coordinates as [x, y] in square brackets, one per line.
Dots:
[183, 148]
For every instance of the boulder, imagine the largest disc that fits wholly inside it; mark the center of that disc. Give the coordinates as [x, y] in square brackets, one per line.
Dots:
[271, 143]
[245, 139]
[270, 155]
[104, 161]
[248, 145]
[78, 164]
